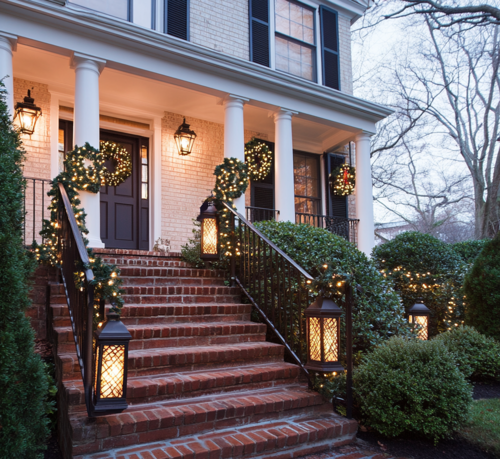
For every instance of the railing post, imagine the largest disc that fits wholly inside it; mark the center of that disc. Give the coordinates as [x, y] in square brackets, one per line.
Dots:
[233, 245]
[89, 350]
[348, 328]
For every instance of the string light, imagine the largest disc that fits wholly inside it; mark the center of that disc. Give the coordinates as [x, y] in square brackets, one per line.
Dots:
[343, 180]
[259, 159]
[123, 164]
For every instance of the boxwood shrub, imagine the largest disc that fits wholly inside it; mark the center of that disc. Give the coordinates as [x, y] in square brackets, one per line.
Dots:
[469, 250]
[412, 387]
[421, 266]
[477, 355]
[378, 313]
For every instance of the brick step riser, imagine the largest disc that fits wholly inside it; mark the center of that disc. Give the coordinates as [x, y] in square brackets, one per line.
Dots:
[146, 262]
[184, 319]
[153, 281]
[151, 271]
[136, 427]
[179, 290]
[183, 299]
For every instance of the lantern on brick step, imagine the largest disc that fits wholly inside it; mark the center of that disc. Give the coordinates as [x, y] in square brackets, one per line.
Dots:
[419, 314]
[27, 114]
[323, 335]
[110, 383]
[184, 139]
[209, 245]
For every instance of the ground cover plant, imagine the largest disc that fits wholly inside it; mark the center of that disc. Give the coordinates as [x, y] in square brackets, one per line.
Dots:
[482, 291]
[23, 380]
[421, 266]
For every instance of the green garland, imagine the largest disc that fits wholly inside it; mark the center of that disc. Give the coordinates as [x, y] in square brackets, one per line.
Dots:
[231, 181]
[343, 180]
[259, 159]
[123, 163]
[75, 178]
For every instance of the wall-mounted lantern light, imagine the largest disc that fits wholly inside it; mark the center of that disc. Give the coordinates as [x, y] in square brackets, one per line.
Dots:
[27, 114]
[323, 335]
[419, 314]
[110, 386]
[209, 245]
[184, 138]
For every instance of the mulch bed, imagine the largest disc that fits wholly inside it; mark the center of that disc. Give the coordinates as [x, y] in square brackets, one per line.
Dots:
[52, 451]
[486, 390]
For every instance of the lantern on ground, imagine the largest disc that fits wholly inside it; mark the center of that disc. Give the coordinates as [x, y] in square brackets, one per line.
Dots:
[110, 384]
[184, 138]
[419, 314]
[209, 246]
[27, 114]
[323, 335]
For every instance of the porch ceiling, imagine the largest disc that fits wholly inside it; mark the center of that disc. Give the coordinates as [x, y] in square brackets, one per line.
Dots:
[135, 97]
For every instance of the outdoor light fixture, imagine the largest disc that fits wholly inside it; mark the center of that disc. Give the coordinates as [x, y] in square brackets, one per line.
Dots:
[209, 246]
[110, 385]
[184, 138]
[27, 114]
[323, 335]
[419, 314]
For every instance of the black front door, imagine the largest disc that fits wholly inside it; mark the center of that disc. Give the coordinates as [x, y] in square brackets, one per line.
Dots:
[125, 208]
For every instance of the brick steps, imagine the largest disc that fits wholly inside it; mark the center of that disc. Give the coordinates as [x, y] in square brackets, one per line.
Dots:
[283, 439]
[136, 281]
[196, 383]
[186, 272]
[185, 298]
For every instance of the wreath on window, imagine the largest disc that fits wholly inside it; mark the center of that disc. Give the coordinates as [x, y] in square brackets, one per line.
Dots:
[83, 176]
[231, 180]
[259, 159]
[122, 162]
[342, 180]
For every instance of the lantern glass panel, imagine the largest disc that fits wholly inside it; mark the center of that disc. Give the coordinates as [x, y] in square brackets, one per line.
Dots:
[209, 231]
[112, 367]
[315, 338]
[330, 340]
[27, 118]
[423, 321]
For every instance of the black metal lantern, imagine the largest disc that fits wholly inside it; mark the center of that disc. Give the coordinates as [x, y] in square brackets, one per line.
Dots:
[419, 314]
[184, 138]
[110, 385]
[27, 114]
[209, 245]
[323, 335]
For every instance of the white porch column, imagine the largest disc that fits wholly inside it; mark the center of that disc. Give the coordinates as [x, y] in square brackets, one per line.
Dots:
[284, 189]
[364, 194]
[234, 136]
[86, 129]
[8, 45]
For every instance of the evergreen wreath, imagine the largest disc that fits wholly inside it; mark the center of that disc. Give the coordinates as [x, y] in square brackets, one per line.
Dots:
[123, 163]
[342, 180]
[81, 176]
[259, 159]
[231, 181]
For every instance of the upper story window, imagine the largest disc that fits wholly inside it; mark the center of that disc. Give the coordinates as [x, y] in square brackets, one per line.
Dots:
[295, 39]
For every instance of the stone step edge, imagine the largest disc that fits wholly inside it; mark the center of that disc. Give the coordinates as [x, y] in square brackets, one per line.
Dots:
[281, 439]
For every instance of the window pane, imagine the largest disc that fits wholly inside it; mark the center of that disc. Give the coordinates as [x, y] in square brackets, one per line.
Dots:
[282, 25]
[142, 14]
[299, 57]
[308, 18]
[117, 8]
[283, 8]
[296, 13]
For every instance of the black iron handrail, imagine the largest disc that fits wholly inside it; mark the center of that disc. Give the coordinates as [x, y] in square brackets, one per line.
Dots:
[35, 207]
[341, 226]
[72, 257]
[259, 214]
[274, 283]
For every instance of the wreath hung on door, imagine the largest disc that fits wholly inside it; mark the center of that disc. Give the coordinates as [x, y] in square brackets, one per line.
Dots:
[343, 180]
[259, 159]
[122, 161]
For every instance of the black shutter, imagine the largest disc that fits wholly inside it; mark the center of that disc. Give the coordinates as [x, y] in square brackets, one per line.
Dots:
[259, 31]
[177, 18]
[336, 205]
[330, 47]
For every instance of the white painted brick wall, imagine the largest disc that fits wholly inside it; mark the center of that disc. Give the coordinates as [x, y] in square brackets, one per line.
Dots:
[345, 55]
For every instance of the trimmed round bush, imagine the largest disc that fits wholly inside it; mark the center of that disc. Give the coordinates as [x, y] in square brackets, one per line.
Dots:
[421, 266]
[482, 291]
[469, 250]
[477, 355]
[377, 313]
[412, 387]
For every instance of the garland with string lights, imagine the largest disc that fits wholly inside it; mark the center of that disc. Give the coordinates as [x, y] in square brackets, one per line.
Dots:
[122, 161]
[231, 180]
[75, 178]
[343, 180]
[259, 159]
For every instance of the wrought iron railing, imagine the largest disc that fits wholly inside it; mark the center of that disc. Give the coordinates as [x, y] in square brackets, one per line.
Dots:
[344, 227]
[36, 203]
[259, 214]
[72, 255]
[274, 283]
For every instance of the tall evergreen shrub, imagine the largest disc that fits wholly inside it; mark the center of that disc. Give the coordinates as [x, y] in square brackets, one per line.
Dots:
[23, 382]
[482, 291]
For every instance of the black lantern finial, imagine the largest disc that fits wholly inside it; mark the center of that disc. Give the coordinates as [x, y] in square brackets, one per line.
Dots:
[27, 114]
[419, 314]
[184, 138]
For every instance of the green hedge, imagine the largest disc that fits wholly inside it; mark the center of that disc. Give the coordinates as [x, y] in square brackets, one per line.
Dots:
[469, 250]
[378, 313]
[421, 266]
[23, 381]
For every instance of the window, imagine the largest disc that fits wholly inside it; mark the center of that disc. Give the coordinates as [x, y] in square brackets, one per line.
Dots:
[295, 39]
[306, 177]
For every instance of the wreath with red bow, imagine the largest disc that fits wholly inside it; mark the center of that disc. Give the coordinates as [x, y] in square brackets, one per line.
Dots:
[343, 180]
